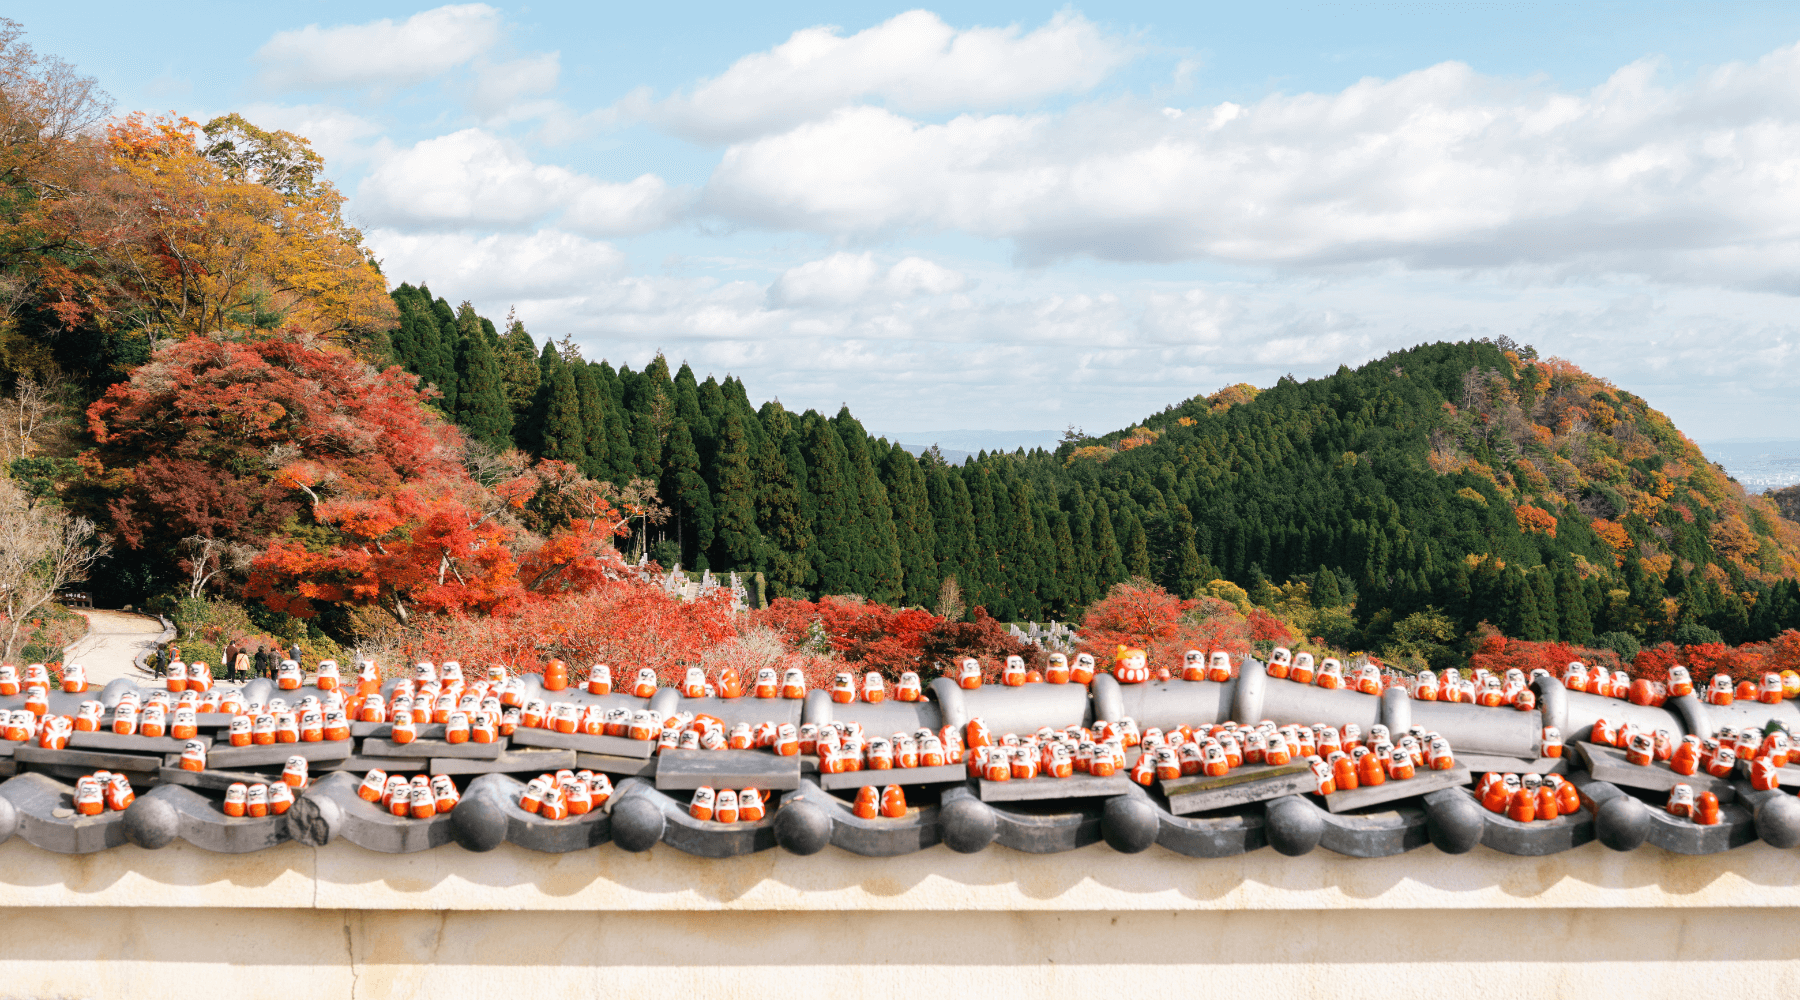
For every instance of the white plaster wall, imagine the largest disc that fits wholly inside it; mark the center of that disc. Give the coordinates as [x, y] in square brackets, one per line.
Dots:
[341, 921]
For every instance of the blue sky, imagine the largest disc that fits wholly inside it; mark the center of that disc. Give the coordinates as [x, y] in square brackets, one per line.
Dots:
[1022, 217]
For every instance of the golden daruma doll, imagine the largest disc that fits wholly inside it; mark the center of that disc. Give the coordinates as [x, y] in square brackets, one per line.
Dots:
[1130, 666]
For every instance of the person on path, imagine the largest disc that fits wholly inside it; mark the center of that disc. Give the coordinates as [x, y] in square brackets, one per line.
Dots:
[240, 666]
[231, 654]
[294, 654]
[263, 667]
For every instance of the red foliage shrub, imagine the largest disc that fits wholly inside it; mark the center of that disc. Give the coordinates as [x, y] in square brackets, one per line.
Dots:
[1132, 614]
[1165, 627]
[878, 637]
[1497, 653]
[627, 625]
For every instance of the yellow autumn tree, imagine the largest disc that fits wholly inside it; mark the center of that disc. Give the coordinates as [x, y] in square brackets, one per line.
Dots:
[229, 229]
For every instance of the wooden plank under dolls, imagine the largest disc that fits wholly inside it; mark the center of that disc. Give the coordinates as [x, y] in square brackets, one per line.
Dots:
[616, 746]
[1609, 764]
[1254, 783]
[687, 769]
[1393, 790]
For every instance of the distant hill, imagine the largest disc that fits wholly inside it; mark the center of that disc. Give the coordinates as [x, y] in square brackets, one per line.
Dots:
[1429, 491]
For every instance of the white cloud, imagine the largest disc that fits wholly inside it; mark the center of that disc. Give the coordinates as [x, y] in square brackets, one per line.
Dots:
[508, 267]
[914, 62]
[425, 45]
[1442, 168]
[500, 90]
[846, 278]
[476, 178]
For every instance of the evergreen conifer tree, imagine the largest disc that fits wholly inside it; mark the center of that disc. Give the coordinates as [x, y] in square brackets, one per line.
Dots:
[519, 371]
[739, 542]
[481, 407]
[1137, 547]
[560, 435]
[1574, 624]
[781, 512]
[684, 484]
[591, 403]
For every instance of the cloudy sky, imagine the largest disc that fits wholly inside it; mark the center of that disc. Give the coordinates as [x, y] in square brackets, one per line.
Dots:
[1017, 217]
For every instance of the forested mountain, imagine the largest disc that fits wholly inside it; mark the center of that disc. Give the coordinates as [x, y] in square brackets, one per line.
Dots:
[1446, 485]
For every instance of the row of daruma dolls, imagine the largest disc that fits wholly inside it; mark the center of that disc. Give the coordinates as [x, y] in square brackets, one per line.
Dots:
[1721, 691]
[419, 798]
[1763, 753]
[1528, 798]
[568, 793]
[254, 799]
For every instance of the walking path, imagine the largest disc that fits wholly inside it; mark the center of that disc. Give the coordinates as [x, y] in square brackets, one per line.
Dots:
[112, 644]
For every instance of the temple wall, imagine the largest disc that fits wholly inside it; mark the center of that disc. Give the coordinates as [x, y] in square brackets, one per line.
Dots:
[344, 921]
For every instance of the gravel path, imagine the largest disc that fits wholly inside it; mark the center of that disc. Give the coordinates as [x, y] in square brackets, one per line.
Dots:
[113, 641]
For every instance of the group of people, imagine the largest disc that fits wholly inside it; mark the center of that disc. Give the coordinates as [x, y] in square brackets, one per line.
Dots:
[242, 660]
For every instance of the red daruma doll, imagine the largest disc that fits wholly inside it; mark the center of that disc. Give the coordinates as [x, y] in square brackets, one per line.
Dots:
[1130, 666]
[693, 685]
[327, 680]
[281, 798]
[701, 807]
[193, 756]
[125, 718]
[599, 680]
[645, 686]
[1280, 661]
[234, 799]
[909, 688]
[87, 717]
[1083, 670]
[843, 689]
[1302, 670]
[288, 676]
[373, 785]
[767, 684]
[793, 683]
[74, 679]
[874, 688]
[556, 676]
[1193, 665]
[152, 721]
[1013, 674]
[1768, 695]
[445, 795]
[1057, 671]
[968, 676]
[119, 795]
[368, 678]
[1680, 682]
[1218, 668]
[9, 680]
[256, 801]
[294, 774]
[1720, 692]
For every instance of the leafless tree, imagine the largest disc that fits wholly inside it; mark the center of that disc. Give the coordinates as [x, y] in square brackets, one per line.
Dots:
[42, 550]
[208, 557]
[31, 417]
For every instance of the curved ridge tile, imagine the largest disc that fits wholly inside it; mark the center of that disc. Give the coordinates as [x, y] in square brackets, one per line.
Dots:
[1049, 832]
[203, 823]
[706, 838]
[371, 827]
[871, 838]
[534, 832]
[38, 798]
[1207, 837]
